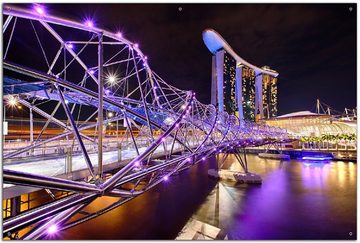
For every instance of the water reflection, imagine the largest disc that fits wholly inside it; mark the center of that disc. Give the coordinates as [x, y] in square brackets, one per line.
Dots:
[297, 200]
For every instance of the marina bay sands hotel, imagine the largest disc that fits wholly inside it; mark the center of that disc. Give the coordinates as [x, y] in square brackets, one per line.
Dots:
[239, 87]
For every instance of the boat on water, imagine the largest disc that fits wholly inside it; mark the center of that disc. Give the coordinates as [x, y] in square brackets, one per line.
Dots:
[248, 178]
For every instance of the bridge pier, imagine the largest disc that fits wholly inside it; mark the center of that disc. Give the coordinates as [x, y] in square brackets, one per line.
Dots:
[278, 155]
[68, 160]
[241, 177]
[15, 206]
[119, 151]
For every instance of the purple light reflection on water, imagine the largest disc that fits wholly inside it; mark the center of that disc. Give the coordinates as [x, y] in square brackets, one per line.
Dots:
[316, 158]
[297, 200]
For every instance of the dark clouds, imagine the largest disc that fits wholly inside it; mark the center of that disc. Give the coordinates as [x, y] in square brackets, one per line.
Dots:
[312, 46]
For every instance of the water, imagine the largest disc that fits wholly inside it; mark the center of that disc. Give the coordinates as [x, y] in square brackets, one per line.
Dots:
[297, 200]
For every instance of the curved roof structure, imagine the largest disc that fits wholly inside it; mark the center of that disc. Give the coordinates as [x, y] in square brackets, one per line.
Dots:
[300, 114]
[306, 123]
[320, 129]
[214, 42]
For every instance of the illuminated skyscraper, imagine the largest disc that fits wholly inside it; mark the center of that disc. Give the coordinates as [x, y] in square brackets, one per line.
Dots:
[237, 86]
[269, 95]
[248, 93]
[230, 104]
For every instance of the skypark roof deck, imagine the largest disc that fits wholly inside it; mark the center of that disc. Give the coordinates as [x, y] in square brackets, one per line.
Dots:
[214, 42]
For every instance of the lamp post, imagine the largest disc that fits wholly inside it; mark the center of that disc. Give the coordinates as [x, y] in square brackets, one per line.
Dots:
[100, 113]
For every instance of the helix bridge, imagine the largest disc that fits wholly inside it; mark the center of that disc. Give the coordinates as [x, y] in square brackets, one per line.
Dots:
[80, 78]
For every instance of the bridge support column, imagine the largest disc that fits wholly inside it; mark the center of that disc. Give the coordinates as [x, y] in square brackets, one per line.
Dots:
[15, 205]
[119, 151]
[68, 160]
[31, 129]
[258, 96]
[100, 113]
[238, 80]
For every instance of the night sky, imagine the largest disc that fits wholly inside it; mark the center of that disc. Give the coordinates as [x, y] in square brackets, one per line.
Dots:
[312, 46]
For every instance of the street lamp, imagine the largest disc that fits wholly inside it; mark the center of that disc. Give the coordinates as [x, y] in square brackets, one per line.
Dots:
[111, 79]
[39, 9]
[12, 101]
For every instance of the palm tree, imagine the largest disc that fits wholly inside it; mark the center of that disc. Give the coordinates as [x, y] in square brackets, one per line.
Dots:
[304, 140]
[325, 137]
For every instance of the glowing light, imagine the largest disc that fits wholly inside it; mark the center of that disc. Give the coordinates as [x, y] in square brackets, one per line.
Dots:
[163, 139]
[177, 125]
[203, 158]
[119, 34]
[52, 229]
[183, 107]
[166, 178]
[89, 23]
[66, 102]
[188, 159]
[111, 79]
[316, 158]
[110, 114]
[91, 71]
[136, 45]
[70, 46]
[145, 57]
[39, 9]
[12, 101]
[137, 163]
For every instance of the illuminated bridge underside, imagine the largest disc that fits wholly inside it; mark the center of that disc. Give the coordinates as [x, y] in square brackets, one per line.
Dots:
[61, 81]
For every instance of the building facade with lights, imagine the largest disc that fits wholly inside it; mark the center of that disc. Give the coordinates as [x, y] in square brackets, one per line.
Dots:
[237, 86]
[270, 99]
[230, 104]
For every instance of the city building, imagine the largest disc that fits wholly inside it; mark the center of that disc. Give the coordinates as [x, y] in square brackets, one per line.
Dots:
[248, 93]
[269, 90]
[269, 94]
[230, 104]
[239, 87]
